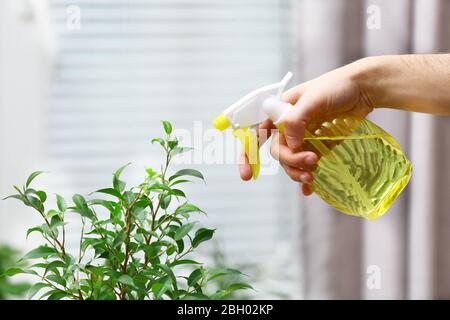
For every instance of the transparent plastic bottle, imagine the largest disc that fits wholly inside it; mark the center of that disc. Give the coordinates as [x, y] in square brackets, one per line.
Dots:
[361, 170]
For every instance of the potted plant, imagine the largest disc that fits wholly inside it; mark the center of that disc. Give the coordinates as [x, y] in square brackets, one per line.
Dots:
[135, 242]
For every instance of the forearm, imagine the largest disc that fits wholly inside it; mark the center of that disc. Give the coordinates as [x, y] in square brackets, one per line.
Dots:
[418, 83]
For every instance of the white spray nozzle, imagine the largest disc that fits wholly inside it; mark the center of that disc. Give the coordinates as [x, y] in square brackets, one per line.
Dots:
[251, 110]
[256, 106]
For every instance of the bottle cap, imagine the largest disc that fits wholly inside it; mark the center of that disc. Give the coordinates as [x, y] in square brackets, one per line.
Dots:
[221, 122]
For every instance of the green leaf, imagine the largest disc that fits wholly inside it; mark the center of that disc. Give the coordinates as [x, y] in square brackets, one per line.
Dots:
[238, 286]
[160, 287]
[42, 195]
[143, 203]
[117, 212]
[151, 173]
[178, 182]
[167, 127]
[35, 202]
[109, 205]
[187, 172]
[126, 279]
[57, 279]
[79, 201]
[171, 275]
[55, 223]
[187, 208]
[159, 186]
[52, 266]
[57, 295]
[195, 276]
[40, 252]
[178, 193]
[52, 213]
[171, 250]
[202, 235]
[183, 261]
[62, 206]
[195, 296]
[183, 230]
[160, 141]
[129, 196]
[120, 238]
[35, 229]
[112, 192]
[117, 183]
[120, 170]
[224, 272]
[165, 202]
[32, 177]
[15, 196]
[13, 289]
[180, 245]
[12, 271]
[172, 143]
[36, 288]
[82, 207]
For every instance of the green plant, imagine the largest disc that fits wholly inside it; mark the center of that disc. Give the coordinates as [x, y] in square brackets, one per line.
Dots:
[8, 257]
[134, 245]
[217, 264]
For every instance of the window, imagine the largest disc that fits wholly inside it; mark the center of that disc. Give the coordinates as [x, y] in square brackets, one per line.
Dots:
[133, 63]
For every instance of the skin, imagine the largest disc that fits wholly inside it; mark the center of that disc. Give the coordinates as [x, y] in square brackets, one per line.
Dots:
[419, 83]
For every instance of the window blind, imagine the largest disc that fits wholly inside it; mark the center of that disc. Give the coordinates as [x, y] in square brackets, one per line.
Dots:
[133, 63]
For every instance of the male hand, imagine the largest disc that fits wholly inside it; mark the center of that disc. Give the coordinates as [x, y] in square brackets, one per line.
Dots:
[332, 94]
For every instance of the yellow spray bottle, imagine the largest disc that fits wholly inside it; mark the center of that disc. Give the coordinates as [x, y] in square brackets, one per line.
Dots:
[362, 169]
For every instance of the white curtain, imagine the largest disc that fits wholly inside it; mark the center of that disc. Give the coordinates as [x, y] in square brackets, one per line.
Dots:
[408, 246]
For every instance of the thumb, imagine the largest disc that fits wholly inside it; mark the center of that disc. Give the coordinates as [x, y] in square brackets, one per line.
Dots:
[296, 121]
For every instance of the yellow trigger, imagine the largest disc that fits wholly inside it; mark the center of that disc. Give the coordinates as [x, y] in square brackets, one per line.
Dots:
[249, 140]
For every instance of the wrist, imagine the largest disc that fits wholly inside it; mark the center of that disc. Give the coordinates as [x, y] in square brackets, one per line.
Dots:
[372, 76]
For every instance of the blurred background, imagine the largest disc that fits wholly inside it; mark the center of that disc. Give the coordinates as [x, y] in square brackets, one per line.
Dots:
[84, 85]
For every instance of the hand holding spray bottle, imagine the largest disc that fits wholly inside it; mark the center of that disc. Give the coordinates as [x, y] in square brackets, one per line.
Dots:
[361, 170]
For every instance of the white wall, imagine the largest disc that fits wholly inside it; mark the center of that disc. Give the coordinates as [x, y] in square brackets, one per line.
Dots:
[24, 78]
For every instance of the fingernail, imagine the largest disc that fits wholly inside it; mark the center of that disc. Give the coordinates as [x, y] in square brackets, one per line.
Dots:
[311, 160]
[303, 178]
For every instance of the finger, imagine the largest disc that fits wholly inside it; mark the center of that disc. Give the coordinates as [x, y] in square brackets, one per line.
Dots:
[306, 160]
[265, 131]
[245, 170]
[306, 189]
[297, 118]
[293, 94]
[298, 175]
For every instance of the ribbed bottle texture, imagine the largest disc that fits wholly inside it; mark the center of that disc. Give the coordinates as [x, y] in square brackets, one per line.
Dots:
[361, 170]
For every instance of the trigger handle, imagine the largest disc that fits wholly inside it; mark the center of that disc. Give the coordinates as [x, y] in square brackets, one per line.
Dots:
[250, 142]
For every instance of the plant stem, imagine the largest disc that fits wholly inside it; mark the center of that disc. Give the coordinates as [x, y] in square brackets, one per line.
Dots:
[155, 212]
[56, 288]
[63, 231]
[127, 238]
[80, 256]
[53, 235]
